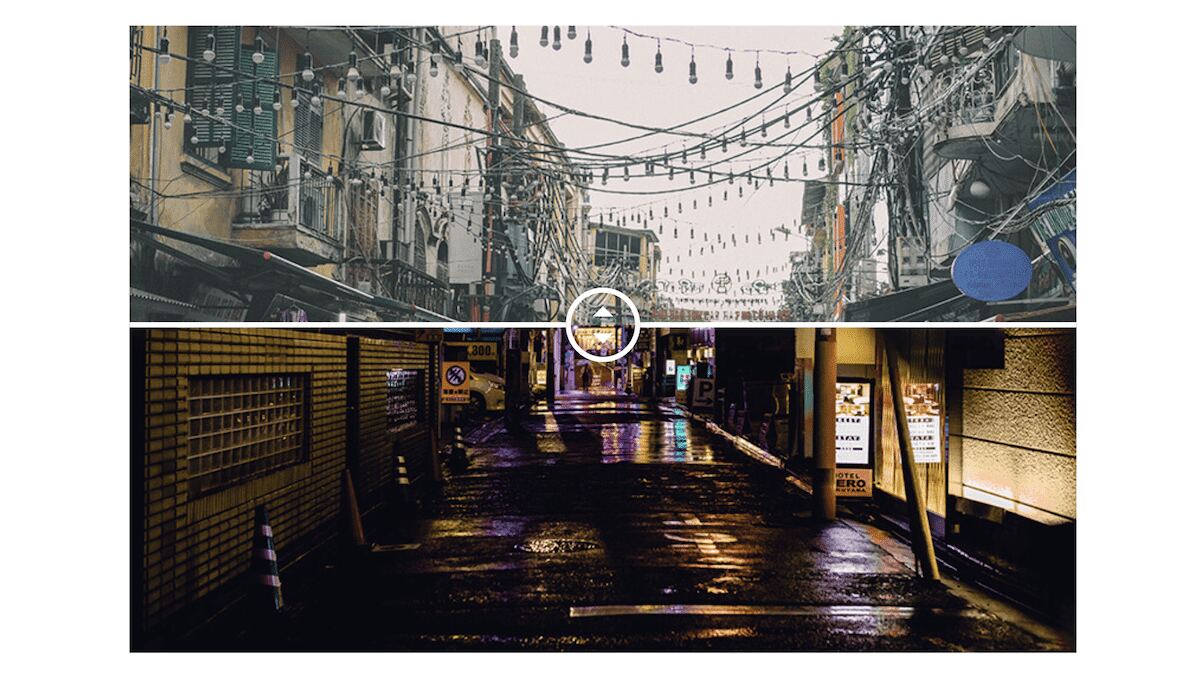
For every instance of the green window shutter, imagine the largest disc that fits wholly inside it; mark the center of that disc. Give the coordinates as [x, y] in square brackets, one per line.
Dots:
[309, 124]
[255, 131]
[210, 82]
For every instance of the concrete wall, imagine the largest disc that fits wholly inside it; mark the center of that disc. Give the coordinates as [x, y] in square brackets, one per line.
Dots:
[194, 544]
[1018, 427]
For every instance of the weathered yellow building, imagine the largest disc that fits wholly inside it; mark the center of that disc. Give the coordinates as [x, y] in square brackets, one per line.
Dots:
[292, 174]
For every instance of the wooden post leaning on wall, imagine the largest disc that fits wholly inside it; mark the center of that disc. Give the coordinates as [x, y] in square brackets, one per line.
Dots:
[918, 519]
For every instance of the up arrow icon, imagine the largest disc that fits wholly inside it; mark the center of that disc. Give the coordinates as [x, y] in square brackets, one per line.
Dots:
[602, 313]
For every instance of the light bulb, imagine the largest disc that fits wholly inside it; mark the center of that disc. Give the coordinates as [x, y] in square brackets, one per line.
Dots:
[624, 52]
[512, 44]
[692, 70]
[728, 66]
[239, 106]
[341, 87]
[557, 38]
[164, 50]
[385, 89]
[352, 68]
[257, 108]
[250, 158]
[545, 39]
[258, 55]
[306, 67]
[658, 65]
[210, 48]
[571, 33]
[758, 83]
[433, 66]
[587, 49]
[187, 115]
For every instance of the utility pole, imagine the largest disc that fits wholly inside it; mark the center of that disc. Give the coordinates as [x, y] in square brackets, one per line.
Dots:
[918, 521]
[825, 424]
[493, 179]
[906, 209]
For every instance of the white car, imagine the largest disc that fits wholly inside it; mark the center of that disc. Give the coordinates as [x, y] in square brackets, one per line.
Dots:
[487, 392]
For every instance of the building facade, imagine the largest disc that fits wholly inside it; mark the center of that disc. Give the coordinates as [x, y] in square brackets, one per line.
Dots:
[292, 174]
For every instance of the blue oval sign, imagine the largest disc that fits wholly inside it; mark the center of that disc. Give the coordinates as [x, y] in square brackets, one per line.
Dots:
[992, 271]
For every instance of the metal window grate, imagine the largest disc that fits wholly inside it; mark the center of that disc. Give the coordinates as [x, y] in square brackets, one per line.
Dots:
[243, 426]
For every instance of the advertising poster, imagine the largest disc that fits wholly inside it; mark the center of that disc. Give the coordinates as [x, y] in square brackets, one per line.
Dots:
[853, 433]
[924, 421]
[403, 405]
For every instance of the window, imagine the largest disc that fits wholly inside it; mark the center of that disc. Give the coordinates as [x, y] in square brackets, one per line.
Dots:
[243, 426]
[209, 88]
[226, 137]
[309, 127]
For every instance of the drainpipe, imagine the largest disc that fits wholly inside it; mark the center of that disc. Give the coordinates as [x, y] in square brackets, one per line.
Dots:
[153, 212]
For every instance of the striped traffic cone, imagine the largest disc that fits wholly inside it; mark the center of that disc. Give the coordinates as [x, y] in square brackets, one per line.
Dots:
[403, 483]
[458, 452]
[266, 590]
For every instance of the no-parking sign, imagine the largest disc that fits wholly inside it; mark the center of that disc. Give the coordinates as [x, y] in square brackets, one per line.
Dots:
[455, 388]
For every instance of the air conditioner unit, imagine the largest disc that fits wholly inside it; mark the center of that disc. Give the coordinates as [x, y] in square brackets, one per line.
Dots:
[374, 131]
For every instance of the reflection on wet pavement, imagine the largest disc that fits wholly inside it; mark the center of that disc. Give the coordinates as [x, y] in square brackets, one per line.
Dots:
[613, 523]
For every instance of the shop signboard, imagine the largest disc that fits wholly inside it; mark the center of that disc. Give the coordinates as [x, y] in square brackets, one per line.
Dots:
[477, 351]
[854, 482]
[670, 371]
[683, 377]
[924, 414]
[455, 389]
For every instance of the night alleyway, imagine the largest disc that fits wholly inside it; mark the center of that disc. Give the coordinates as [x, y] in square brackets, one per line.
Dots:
[614, 524]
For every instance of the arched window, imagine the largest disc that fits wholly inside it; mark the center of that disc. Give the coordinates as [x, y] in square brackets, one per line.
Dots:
[443, 261]
[419, 239]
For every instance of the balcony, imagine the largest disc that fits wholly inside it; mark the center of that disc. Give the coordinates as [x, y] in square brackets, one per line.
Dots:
[296, 213]
[968, 115]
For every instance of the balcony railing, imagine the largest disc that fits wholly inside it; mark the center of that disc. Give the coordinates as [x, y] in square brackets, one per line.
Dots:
[296, 212]
[423, 290]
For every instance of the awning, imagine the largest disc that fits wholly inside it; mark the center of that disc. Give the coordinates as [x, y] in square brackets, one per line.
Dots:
[1058, 190]
[254, 265]
[938, 301]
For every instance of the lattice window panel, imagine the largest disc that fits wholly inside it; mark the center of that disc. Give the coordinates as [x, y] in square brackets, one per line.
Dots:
[243, 426]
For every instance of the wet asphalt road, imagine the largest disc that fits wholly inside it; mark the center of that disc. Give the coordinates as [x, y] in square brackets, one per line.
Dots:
[613, 524]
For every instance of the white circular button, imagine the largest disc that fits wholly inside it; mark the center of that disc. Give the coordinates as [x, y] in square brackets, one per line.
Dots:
[637, 324]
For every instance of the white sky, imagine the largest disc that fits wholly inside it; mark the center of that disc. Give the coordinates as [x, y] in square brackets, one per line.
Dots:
[637, 94]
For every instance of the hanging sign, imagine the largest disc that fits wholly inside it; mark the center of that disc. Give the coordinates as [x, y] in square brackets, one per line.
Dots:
[853, 431]
[992, 271]
[924, 422]
[455, 388]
